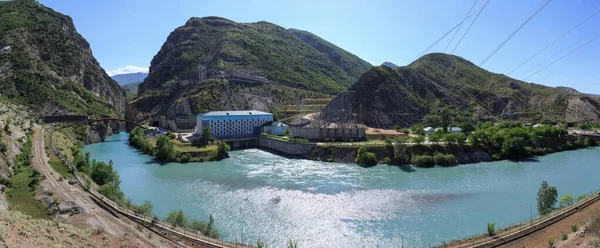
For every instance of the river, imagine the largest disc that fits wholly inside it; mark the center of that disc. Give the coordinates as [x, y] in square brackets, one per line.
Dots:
[343, 205]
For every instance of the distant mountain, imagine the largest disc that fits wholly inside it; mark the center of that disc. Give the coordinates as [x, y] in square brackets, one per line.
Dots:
[284, 65]
[405, 95]
[128, 78]
[47, 65]
[131, 87]
[389, 64]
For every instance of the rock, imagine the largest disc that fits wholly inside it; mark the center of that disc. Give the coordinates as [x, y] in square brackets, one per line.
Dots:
[69, 207]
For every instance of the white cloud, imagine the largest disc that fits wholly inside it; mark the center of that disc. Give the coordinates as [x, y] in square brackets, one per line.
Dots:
[127, 69]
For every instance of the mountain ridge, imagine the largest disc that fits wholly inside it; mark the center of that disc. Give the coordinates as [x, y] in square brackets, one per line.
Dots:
[405, 95]
[47, 65]
[281, 67]
[128, 78]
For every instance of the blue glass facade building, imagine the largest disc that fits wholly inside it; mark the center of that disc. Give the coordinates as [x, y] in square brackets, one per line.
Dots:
[231, 124]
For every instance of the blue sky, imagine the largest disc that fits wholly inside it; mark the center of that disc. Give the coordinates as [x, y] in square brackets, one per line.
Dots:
[125, 35]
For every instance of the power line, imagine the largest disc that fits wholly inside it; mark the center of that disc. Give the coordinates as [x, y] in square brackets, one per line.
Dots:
[468, 12]
[551, 57]
[571, 52]
[446, 34]
[463, 36]
[515, 32]
[552, 43]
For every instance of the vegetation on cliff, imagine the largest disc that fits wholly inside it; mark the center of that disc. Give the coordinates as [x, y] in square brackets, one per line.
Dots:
[47, 65]
[403, 96]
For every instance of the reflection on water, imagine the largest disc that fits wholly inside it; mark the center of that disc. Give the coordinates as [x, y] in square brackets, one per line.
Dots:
[343, 205]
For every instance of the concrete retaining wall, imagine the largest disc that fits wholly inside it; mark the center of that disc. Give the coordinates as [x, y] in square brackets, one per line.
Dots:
[355, 134]
[285, 147]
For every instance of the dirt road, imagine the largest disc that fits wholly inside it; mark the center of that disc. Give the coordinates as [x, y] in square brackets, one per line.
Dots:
[120, 230]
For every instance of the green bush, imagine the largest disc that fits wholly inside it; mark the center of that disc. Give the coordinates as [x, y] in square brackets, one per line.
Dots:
[222, 151]
[423, 161]
[365, 158]
[445, 159]
[491, 230]
[186, 157]
[179, 219]
[402, 154]
[170, 135]
[387, 160]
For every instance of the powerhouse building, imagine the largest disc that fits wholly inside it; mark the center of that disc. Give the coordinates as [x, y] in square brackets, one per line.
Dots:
[232, 124]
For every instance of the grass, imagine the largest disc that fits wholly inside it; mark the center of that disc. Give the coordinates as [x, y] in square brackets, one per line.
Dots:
[60, 167]
[21, 197]
[186, 147]
[55, 162]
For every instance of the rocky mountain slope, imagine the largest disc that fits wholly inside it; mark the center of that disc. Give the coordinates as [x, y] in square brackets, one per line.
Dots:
[283, 66]
[385, 97]
[47, 65]
[129, 78]
[389, 64]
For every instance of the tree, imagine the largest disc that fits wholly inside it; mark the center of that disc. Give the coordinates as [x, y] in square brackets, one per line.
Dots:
[365, 158]
[170, 134]
[546, 198]
[432, 120]
[467, 127]
[275, 114]
[206, 136]
[418, 129]
[491, 230]
[165, 150]
[177, 218]
[419, 139]
[436, 136]
[566, 200]
[292, 244]
[448, 138]
[145, 208]
[401, 154]
[222, 151]
[209, 227]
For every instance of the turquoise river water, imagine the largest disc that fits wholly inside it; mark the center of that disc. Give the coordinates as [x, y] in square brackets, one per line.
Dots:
[322, 204]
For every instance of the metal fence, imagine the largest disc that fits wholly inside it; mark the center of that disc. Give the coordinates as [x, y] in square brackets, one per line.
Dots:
[515, 231]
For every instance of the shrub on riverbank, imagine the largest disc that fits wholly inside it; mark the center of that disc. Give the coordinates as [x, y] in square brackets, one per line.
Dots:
[445, 159]
[365, 158]
[423, 161]
[514, 140]
[179, 219]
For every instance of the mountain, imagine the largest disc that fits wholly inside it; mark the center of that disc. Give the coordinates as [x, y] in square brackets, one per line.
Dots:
[389, 64]
[47, 65]
[350, 63]
[255, 65]
[128, 78]
[405, 95]
[131, 87]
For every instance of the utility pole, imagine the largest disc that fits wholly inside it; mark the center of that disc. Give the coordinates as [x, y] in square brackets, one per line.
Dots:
[531, 214]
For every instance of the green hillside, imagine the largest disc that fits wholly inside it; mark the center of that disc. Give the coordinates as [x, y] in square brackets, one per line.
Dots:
[294, 67]
[47, 65]
[405, 95]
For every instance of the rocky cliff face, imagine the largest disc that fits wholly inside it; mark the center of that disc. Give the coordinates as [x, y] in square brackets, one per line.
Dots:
[46, 64]
[385, 96]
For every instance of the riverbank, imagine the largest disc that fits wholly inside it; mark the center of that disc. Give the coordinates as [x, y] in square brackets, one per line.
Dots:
[464, 153]
[301, 199]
